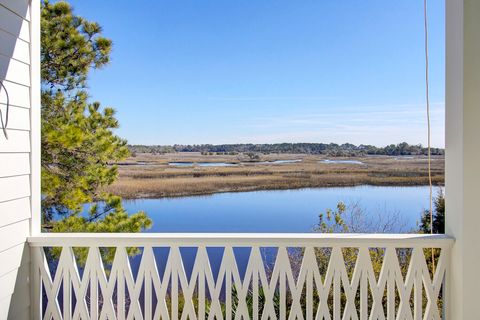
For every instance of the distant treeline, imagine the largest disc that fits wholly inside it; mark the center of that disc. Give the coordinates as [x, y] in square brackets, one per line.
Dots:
[331, 149]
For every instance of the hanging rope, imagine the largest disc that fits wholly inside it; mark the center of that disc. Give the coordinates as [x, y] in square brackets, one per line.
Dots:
[427, 95]
[4, 124]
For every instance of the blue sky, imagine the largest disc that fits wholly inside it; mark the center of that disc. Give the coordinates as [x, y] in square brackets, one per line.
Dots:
[266, 71]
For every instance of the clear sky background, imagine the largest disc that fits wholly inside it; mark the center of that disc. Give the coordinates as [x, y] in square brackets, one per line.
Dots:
[266, 71]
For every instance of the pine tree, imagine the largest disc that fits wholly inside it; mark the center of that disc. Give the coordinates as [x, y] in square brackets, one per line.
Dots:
[438, 216]
[79, 147]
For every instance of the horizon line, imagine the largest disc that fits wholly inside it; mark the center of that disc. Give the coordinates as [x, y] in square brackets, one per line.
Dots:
[274, 143]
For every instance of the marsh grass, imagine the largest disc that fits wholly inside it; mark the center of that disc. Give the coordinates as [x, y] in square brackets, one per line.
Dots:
[154, 178]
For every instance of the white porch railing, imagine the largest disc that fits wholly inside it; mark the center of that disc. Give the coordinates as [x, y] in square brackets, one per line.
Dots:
[239, 276]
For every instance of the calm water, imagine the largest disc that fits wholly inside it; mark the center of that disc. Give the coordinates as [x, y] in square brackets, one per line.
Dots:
[275, 211]
[227, 164]
[202, 164]
[278, 161]
[342, 161]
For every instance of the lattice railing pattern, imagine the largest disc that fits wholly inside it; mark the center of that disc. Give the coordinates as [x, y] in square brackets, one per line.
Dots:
[303, 279]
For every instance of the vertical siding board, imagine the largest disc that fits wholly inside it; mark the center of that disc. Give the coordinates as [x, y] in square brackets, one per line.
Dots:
[35, 122]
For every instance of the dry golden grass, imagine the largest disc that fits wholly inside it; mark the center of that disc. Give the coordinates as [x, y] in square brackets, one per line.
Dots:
[158, 179]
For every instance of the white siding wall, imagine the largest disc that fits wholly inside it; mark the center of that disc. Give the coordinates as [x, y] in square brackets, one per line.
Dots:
[15, 157]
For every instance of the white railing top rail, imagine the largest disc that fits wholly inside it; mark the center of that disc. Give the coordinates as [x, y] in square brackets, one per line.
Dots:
[240, 239]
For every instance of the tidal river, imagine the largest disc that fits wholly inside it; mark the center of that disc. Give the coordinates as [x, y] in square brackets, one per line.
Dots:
[269, 211]
[278, 211]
